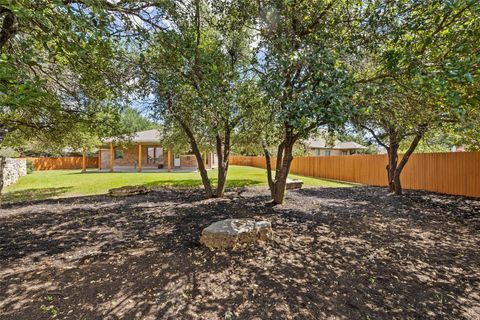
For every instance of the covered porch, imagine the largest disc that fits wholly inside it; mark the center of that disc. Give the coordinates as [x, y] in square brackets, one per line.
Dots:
[144, 153]
[144, 170]
[146, 158]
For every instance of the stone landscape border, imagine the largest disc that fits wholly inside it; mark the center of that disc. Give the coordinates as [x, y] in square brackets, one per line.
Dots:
[13, 170]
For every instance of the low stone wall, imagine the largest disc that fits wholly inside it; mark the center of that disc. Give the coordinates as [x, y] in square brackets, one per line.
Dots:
[14, 169]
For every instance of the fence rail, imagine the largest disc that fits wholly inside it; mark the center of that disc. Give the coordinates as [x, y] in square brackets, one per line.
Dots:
[41, 164]
[452, 173]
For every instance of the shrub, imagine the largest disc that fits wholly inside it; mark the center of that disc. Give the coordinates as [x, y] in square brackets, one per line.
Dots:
[30, 167]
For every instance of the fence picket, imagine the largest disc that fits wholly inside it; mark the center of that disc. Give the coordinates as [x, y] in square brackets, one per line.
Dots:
[449, 172]
[41, 164]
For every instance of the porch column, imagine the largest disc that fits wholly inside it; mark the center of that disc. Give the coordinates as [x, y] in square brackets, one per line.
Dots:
[111, 157]
[99, 158]
[205, 159]
[169, 159]
[84, 161]
[139, 157]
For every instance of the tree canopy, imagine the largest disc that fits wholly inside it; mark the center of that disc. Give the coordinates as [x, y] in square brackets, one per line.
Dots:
[198, 72]
[416, 72]
[303, 73]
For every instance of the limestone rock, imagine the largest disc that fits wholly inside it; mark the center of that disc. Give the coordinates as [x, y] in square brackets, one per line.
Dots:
[13, 170]
[230, 232]
[294, 184]
[128, 191]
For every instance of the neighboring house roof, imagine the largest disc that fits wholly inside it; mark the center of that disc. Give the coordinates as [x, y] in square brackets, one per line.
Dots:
[321, 144]
[381, 150]
[458, 149]
[349, 145]
[140, 136]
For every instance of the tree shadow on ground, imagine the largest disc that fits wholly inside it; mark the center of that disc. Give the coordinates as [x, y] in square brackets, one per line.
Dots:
[337, 253]
[193, 183]
[33, 194]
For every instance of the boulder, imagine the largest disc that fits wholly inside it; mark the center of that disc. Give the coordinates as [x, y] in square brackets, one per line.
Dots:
[128, 191]
[294, 184]
[230, 232]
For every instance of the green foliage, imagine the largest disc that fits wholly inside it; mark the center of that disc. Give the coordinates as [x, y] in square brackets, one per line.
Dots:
[174, 137]
[132, 120]
[58, 76]
[50, 309]
[304, 75]
[417, 68]
[8, 153]
[30, 167]
[197, 70]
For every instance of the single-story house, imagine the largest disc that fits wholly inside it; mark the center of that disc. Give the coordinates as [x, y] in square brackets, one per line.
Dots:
[144, 151]
[318, 147]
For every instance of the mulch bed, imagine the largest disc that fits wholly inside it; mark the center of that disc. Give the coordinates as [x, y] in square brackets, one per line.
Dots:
[338, 253]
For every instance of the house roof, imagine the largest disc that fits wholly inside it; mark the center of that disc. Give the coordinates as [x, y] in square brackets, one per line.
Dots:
[322, 144]
[349, 145]
[140, 136]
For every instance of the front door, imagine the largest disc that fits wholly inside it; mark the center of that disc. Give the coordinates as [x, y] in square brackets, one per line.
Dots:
[176, 160]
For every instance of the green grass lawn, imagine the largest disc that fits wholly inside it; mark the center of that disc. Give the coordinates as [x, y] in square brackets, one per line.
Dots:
[64, 183]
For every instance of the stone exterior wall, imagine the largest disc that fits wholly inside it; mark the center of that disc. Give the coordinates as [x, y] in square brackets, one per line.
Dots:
[14, 169]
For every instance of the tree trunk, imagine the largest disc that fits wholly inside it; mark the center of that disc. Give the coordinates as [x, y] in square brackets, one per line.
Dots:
[223, 154]
[281, 181]
[398, 170]
[201, 168]
[397, 185]
[284, 160]
[196, 151]
[2, 167]
[8, 28]
[392, 164]
[268, 162]
[281, 148]
[222, 179]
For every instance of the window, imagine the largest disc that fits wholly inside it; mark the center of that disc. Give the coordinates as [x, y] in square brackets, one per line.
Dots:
[344, 153]
[328, 152]
[118, 154]
[154, 155]
[176, 160]
[317, 152]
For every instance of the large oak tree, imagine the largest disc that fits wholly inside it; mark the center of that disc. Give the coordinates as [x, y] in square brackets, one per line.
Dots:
[197, 69]
[304, 75]
[418, 70]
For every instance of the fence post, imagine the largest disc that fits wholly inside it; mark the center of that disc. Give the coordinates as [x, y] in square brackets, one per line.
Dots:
[111, 157]
[84, 161]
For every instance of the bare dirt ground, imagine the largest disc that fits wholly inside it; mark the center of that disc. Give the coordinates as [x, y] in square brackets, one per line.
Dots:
[346, 253]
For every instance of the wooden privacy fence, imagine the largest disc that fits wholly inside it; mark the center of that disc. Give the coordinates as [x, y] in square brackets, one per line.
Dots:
[62, 163]
[452, 173]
